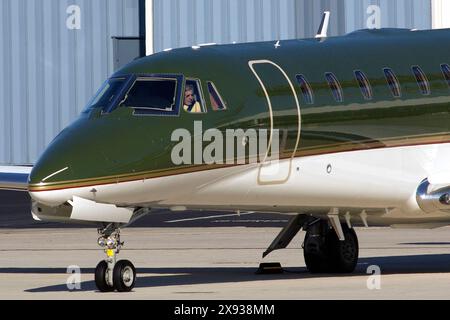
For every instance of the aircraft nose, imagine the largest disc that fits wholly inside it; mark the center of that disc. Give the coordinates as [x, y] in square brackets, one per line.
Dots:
[77, 159]
[54, 165]
[47, 178]
[69, 158]
[40, 177]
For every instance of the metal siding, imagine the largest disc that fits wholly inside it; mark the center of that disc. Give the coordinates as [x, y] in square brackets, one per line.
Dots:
[130, 15]
[48, 61]
[210, 22]
[242, 22]
[81, 58]
[7, 59]
[187, 21]
[200, 25]
[3, 79]
[225, 23]
[259, 20]
[39, 104]
[67, 68]
[16, 75]
[190, 22]
[283, 16]
[250, 15]
[48, 72]
[235, 21]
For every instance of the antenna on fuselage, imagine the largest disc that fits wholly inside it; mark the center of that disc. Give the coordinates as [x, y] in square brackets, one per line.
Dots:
[323, 29]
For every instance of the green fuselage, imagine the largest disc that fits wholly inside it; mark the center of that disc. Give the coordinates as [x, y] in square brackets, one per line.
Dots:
[102, 148]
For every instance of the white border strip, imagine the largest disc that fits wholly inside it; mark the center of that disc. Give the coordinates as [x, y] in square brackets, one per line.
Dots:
[54, 174]
[149, 48]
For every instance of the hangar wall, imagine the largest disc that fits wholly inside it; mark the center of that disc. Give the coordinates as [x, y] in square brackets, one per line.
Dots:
[180, 23]
[53, 55]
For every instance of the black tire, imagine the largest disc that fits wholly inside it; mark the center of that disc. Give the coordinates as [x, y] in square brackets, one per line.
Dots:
[332, 255]
[343, 255]
[124, 276]
[100, 277]
[316, 263]
[315, 258]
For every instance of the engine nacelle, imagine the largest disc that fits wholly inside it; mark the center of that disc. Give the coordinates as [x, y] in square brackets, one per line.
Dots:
[437, 200]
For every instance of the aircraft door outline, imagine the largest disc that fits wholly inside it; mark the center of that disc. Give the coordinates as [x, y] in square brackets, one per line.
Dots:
[276, 179]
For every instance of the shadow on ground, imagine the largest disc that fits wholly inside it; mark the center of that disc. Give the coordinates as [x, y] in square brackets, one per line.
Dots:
[165, 277]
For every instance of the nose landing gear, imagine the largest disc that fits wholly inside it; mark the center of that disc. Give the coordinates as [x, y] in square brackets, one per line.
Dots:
[111, 275]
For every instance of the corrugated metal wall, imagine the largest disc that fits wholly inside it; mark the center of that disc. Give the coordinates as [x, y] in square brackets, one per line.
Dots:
[48, 72]
[180, 23]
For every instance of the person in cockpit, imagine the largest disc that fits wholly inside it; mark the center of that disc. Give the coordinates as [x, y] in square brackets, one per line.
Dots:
[190, 102]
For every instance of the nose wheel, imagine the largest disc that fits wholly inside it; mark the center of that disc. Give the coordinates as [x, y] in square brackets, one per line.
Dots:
[111, 275]
[124, 276]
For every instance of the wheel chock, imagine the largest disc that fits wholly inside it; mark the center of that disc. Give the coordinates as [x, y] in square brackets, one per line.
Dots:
[270, 268]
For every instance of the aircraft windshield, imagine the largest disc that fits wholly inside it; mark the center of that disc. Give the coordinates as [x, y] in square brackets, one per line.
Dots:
[106, 94]
[152, 94]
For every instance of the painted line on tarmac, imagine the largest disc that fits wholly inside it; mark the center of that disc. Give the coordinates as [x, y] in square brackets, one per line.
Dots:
[209, 217]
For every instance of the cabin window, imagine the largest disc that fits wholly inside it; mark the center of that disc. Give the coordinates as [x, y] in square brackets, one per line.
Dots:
[193, 97]
[393, 82]
[306, 89]
[215, 98]
[152, 95]
[335, 87]
[107, 94]
[422, 80]
[364, 85]
[446, 71]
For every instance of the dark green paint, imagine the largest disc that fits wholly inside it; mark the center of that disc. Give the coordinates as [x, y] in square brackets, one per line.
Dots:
[103, 145]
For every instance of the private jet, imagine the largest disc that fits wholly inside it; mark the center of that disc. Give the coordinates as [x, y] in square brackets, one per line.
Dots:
[355, 132]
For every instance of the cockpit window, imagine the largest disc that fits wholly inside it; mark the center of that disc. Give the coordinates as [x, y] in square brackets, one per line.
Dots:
[152, 94]
[106, 95]
[193, 97]
[217, 102]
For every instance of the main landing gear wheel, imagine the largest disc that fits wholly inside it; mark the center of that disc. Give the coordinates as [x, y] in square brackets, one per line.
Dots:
[109, 274]
[325, 253]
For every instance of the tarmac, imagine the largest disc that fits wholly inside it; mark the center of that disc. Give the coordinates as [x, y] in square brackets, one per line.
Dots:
[215, 260]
